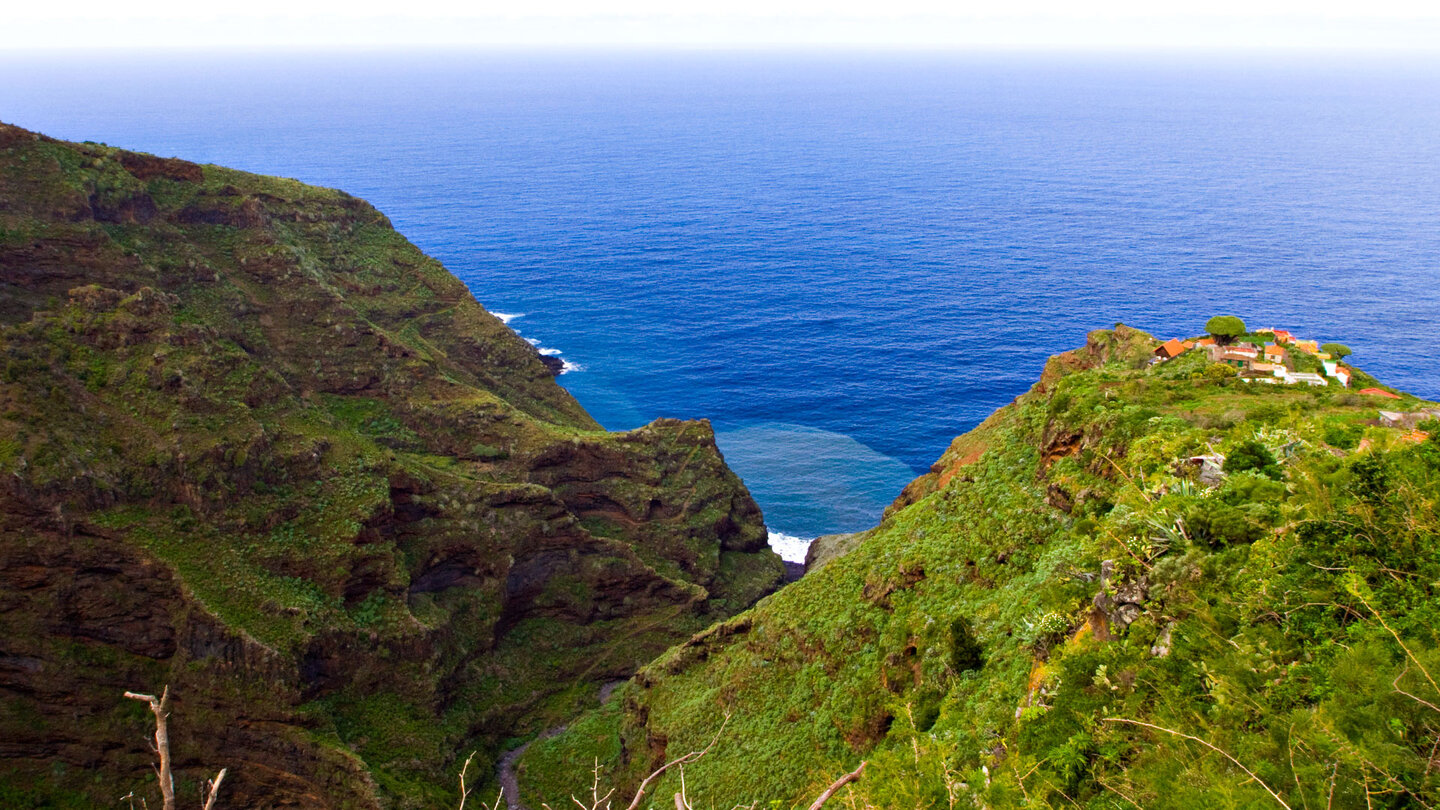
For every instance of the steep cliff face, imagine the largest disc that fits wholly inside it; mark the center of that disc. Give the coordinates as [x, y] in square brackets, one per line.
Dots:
[257, 446]
[1136, 585]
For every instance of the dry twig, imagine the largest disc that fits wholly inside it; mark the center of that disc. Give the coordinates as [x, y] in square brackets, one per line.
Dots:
[686, 759]
[464, 791]
[1222, 752]
[836, 785]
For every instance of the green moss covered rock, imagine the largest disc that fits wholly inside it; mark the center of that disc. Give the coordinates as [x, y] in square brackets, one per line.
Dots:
[257, 446]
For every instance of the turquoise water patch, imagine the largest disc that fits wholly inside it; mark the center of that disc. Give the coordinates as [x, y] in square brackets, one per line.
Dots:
[810, 481]
[883, 248]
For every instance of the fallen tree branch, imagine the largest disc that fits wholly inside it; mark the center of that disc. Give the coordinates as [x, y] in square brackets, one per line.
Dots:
[836, 785]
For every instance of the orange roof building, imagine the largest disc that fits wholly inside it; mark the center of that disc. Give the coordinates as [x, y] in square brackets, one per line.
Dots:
[1275, 354]
[1170, 348]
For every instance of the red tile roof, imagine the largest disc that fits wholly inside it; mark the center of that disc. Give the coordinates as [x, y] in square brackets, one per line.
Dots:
[1376, 392]
[1171, 348]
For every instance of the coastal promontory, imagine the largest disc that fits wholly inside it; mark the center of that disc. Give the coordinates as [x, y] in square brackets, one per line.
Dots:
[258, 448]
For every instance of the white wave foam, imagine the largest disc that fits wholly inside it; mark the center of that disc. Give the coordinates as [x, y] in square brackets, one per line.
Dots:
[547, 352]
[532, 341]
[569, 367]
[507, 317]
[789, 547]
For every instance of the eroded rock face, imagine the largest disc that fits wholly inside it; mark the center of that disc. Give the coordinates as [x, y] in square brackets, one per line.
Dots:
[259, 448]
[1122, 344]
[827, 547]
[1120, 603]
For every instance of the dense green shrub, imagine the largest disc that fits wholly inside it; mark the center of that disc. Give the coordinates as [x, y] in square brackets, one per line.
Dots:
[1216, 373]
[1341, 434]
[1219, 525]
[1252, 455]
[1267, 414]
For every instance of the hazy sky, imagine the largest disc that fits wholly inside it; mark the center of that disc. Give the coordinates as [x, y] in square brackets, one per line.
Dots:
[1047, 24]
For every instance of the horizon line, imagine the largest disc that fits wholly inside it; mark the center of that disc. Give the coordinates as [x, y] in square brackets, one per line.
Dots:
[621, 48]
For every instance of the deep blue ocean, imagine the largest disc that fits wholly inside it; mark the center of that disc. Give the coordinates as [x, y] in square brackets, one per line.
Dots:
[842, 260]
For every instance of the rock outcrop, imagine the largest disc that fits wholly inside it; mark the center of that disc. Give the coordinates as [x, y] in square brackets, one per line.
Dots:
[827, 547]
[257, 447]
[1078, 601]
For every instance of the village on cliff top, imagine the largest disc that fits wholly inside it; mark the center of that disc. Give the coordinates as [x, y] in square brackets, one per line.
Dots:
[1278, 357]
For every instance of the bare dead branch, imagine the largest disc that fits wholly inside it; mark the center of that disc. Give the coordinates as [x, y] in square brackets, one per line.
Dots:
[688, 758]
[161, 709]
[836, 785]
[1222, 752]
[1401, 642]
[464, 791]
[1396, 684]
[212, 789]
[595, 797]
[1290, 751]
[1118, 792]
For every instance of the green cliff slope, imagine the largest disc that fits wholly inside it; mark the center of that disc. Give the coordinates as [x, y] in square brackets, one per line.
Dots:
[256, 446]
[1068, 611]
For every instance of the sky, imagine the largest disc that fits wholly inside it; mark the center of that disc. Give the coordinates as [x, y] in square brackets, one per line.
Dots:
[1364, 25]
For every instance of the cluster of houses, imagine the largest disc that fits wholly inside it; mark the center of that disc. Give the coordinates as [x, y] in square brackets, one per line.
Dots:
[1269, 363]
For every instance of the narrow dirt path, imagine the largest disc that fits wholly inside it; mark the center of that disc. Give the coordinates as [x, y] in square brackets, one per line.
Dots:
[505, 768]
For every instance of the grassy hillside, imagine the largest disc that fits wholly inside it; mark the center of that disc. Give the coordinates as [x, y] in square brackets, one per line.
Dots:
[258, 447]
[1069, 612]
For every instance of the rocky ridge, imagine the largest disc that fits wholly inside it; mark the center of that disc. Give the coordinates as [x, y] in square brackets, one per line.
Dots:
[258, 447]
[1068, 610]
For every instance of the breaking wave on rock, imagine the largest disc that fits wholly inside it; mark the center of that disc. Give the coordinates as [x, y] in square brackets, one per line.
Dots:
[788, 546]
[507, 317]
